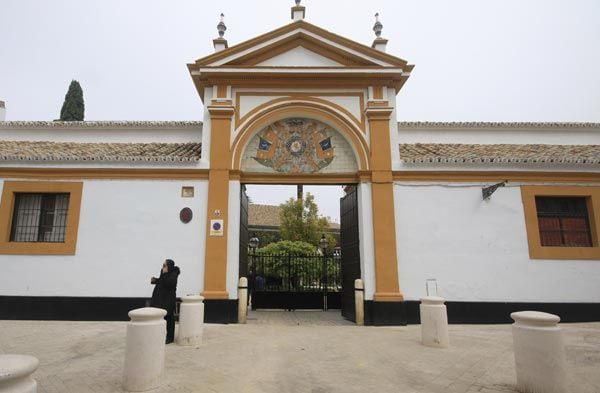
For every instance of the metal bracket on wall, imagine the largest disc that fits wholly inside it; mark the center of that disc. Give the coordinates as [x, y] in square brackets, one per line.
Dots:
[487, 192]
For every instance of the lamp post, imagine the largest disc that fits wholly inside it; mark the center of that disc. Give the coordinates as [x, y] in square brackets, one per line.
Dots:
[253, 245]
[323, 244]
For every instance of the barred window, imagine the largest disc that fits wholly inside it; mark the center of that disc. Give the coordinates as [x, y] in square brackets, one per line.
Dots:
[40, 218]
[563, 221]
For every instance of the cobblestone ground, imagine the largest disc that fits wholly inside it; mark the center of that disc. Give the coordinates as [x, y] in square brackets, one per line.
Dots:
[295, 352]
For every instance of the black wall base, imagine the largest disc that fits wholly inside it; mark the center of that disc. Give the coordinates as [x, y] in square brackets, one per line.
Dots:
[225, 310]
[68, 308]
[385, 313]
[220, 310]
[499, 312]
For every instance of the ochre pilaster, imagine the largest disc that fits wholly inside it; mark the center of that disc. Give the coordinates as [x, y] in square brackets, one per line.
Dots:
[384, 224]
[215, 265]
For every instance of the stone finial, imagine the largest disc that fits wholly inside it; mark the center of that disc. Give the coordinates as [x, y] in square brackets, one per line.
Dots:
[378, 26]
[379, 43]
[298, 11]
[221, 43]
[221, 28]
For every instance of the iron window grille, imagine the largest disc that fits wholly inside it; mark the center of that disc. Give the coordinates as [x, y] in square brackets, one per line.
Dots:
[563, 221]
[40, 218]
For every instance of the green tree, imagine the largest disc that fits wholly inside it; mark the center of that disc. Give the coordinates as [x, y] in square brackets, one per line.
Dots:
[73, 107]
[288, 247]
[300, 221]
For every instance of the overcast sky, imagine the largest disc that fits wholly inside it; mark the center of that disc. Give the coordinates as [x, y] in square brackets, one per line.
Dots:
[476, 60]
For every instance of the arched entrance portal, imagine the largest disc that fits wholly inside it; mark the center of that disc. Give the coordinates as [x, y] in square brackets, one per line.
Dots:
[308, 147]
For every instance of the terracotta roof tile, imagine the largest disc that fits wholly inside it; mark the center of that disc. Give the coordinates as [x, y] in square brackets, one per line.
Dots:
[71, 151]
[268, 216]
[499, 153]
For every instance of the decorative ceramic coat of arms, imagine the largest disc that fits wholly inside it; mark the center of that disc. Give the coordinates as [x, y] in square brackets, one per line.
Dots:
[295, 146]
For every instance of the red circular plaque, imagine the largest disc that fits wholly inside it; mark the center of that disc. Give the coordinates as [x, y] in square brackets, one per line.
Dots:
[185, 215]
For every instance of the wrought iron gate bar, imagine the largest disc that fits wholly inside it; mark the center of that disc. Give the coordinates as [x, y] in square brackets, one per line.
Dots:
[294, 280]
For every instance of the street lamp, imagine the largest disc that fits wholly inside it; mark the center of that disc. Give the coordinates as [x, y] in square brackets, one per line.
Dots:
[253, 242]
[253, 245]
[323, 244]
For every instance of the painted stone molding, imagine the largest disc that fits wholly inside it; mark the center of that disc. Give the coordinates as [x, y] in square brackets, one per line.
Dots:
[298, 145]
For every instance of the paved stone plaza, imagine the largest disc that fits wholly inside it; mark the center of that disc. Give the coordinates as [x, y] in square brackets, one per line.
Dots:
[295, 352]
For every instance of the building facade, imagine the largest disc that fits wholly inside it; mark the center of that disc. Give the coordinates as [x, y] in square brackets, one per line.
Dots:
[497, 216]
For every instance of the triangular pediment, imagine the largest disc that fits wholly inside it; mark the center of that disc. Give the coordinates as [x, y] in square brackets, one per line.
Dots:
[301, 44]
[299, 57]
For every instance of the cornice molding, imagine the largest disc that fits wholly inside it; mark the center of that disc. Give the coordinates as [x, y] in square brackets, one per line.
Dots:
[475, 125]
[7, 125]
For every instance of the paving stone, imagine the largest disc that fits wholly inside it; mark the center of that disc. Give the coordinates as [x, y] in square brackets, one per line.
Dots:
[297, 351]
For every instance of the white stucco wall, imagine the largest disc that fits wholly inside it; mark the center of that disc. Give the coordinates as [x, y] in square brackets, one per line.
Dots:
[126, 230]
[477, 250]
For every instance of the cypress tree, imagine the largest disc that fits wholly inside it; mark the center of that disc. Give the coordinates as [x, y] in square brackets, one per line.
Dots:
[73, 107]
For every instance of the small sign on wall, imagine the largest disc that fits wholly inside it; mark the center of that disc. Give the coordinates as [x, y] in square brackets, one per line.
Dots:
[216, 227]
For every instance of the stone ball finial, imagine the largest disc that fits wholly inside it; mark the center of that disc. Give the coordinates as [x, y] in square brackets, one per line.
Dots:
[221, 26]
[378, 27]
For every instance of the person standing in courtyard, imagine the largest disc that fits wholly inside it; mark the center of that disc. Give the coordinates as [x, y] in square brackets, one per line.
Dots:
[164, 295]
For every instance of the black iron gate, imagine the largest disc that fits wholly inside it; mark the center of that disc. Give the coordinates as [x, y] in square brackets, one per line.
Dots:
[349, 243]
[288, 281]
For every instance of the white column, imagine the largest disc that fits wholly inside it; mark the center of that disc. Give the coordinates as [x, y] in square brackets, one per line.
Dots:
[434, 322]
[145, 349]
[366, 244]
[233, 238]
[191, 320]
[539, 352]
[243, 300]
[15, 374]
[359, 301]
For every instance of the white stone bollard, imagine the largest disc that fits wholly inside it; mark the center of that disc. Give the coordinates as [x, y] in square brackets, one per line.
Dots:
[539, 352]
[359, 301]
[243, 300]
[15, 373]
[191, 320]
[434, 322]
[145, 349]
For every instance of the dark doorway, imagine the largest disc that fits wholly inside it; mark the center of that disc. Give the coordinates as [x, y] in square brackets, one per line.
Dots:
[350, 250]
[301, 281]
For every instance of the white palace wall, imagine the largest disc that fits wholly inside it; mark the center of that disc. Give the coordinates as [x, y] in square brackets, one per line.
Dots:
[127, 228]
[477, 250]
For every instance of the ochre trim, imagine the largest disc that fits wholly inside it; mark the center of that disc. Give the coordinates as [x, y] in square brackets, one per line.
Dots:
[74, 189]
[221, 91]
[496, 176]
[381, 56]
[280, 97]
[300, 109]
[215, 256]
[103, 173]
[536, 250]
[287, 178]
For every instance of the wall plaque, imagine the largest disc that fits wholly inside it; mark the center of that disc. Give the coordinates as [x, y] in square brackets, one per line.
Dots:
[185, 215]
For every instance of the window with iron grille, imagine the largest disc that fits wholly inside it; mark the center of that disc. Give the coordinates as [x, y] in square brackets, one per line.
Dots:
[40, 218]
[563, 221]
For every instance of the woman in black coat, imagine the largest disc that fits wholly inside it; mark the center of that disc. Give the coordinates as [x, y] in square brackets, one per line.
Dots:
[164, 295]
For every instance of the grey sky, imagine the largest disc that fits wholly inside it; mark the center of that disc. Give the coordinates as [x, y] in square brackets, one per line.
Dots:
[476, 60]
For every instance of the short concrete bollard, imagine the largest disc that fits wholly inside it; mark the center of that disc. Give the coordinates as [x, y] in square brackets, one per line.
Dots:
[539, 352]
[15, 374]
[191, 320]
[145, 349]
[359, 301]
[243, 300]
[434, 322]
